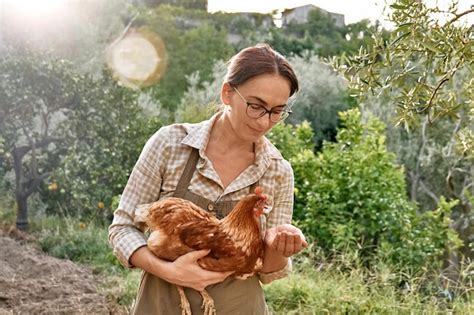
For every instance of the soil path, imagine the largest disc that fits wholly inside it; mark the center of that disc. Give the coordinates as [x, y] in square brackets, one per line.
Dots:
[32, 282]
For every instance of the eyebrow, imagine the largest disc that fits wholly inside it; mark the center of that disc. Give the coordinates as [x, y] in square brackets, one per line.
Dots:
[262, 101]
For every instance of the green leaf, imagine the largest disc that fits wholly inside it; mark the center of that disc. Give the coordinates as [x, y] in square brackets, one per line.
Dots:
[399, 38]
[431, 47]
[403, 27]
[398, 6]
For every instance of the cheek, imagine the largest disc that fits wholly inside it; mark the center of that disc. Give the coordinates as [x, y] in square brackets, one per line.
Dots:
[238, 116]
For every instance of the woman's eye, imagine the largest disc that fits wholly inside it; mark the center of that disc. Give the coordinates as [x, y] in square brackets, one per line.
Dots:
[256, 106]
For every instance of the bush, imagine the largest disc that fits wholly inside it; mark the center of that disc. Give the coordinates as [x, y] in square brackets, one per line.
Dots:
[352, 195]
[296, 145]
[359, 199]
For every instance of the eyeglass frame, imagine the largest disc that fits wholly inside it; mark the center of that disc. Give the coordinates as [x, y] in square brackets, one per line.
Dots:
[265, 111]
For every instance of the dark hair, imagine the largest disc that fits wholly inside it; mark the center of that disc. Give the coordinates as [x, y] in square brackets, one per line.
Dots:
[260, 59]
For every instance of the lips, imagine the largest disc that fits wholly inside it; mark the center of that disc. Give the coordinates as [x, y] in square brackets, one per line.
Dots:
[256, 130]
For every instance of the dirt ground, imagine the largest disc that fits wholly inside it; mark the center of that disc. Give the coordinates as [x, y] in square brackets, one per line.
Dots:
[33, 283]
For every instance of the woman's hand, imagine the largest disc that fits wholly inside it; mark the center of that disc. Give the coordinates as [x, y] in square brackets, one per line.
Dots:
[285, 240]
[185, 271]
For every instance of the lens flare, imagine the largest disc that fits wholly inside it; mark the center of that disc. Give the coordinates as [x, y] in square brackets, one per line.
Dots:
[137, 59]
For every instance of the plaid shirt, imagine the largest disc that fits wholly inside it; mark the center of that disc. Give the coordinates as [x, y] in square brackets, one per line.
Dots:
[160, 165]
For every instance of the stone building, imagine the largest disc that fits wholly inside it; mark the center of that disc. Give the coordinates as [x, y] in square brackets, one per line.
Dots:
[300, 15]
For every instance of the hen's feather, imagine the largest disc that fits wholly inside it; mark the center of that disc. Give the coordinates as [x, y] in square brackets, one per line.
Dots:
[179, 226]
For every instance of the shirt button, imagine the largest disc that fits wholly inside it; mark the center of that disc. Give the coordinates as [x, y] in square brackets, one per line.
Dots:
[210, 207]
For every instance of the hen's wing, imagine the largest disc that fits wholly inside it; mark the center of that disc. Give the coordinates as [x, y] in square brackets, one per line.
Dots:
[165, 219]
[171, 213]
[224, 255]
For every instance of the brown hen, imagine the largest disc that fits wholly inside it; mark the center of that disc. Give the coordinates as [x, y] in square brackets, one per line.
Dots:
[179, 226]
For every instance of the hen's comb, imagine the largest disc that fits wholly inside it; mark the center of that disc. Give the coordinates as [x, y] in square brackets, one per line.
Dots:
[258, 190]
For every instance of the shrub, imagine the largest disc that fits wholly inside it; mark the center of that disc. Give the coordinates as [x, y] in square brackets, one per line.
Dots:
[295, 144]
[359, 198]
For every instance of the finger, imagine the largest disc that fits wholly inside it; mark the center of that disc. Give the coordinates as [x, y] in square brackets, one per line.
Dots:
[297, 244]
[274, 243]
[216, 277]
[221, 276]
[281, 243]
[270, 239]
[195, 255]
[290, 245]
[304, 243]
[216, 274]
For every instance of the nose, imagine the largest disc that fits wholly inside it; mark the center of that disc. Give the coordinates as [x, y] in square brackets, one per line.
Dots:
[264, 121]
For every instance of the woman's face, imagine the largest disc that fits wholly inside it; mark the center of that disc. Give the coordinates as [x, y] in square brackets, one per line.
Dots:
[268, 90]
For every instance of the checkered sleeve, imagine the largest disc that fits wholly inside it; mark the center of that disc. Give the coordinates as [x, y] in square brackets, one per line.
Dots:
[281, 213]
[143, 186]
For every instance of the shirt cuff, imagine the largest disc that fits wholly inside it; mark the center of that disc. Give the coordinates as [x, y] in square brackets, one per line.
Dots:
[127, 245]
[266, 278]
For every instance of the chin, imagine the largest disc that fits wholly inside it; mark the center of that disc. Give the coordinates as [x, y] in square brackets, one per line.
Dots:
[256, 133]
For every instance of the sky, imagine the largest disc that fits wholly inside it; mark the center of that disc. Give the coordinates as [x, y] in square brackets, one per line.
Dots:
[353, 10]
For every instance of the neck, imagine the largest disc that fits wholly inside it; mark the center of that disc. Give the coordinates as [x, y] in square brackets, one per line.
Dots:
[241, 218]
[224, 138]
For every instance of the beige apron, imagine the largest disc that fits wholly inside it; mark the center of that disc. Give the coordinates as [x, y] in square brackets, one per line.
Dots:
[156, 296]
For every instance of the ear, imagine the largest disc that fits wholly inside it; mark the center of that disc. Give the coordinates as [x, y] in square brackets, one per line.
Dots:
[226, 93]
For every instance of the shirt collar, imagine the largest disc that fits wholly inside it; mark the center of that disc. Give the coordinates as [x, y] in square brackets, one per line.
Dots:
[198, 137]
[198, 134]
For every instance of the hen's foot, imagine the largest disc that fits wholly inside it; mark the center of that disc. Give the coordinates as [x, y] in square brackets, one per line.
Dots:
[207, 303]
[184, 303]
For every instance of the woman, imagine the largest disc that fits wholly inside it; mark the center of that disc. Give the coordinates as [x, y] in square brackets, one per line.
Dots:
[231, 156]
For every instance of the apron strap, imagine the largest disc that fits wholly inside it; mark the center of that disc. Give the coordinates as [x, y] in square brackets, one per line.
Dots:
[187, 174]
[221, 208]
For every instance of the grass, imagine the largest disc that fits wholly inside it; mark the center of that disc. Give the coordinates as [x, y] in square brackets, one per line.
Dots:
[331, 290]
[318, 286]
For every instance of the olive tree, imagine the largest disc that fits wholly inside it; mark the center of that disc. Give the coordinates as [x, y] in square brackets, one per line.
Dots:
[421, 78]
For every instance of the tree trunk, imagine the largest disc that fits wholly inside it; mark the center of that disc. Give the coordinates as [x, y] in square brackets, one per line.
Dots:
[21, 197]
[22, 212]
[27, 182]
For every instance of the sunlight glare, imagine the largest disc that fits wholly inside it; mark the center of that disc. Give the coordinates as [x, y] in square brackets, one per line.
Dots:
[28, 9]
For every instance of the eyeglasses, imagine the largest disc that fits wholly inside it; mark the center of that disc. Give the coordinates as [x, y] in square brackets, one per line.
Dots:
[256, 111]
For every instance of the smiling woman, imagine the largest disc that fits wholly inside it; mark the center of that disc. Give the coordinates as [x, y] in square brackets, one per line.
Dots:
[214, 164]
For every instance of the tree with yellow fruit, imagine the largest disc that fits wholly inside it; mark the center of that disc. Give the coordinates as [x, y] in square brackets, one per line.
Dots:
[59, 131]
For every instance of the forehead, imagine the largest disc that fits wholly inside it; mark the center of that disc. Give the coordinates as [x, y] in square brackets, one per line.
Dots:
[273, 89]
